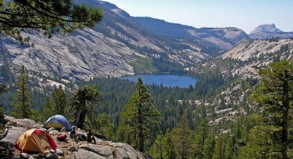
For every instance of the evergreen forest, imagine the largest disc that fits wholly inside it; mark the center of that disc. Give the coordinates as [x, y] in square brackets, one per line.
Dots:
[168, 122]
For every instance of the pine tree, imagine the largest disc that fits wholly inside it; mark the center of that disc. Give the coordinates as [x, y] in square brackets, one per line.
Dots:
[105, 126]
[139, 118]
[158, 149]
[200, 137]
[219, 152]
[170, 147]
[229, 150]
[274, 97]
[82, 102]
[59, 99]
[209, 146]
[21, 104]
[182, 138]
[259, 144]
[51, 16]
[48, 108]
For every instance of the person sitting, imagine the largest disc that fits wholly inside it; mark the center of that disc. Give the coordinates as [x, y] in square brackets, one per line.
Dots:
[90, 137]
[73, 134]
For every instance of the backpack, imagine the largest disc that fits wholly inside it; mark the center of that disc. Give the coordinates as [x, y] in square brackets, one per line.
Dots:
[61, 137]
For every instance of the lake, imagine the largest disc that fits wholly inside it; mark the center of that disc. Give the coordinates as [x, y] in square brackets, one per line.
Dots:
[166, 80]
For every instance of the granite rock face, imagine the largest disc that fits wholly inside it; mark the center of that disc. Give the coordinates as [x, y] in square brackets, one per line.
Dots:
[112, 46]
[268, 31]
[258, 53]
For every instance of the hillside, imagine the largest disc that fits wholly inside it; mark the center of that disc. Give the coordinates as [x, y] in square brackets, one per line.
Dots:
[224, 38]
[117, 46]
[239, 66]
[258, 53]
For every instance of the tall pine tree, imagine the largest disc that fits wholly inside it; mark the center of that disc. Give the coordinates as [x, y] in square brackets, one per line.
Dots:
[48, 108]
[82, 104]
[139, 118]
[219, 152]
[209, 146]
[159, 148]
[21, 103]
[274, 97]
[182, 138]
[200, 137]
[59, 98]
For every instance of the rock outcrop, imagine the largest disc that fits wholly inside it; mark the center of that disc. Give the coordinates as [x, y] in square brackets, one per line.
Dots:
[69, 149]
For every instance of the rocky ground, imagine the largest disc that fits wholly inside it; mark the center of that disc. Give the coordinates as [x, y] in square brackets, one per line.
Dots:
[69, 149]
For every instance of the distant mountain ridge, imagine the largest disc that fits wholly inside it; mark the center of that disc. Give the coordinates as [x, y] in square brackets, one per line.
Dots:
[268, 31]
[224, 38]
[266, 28]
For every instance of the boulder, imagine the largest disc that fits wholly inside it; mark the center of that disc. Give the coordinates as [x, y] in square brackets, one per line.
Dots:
[13, 134]
[84, 154]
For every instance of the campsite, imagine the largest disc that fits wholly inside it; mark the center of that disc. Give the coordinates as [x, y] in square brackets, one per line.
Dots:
[28, 139]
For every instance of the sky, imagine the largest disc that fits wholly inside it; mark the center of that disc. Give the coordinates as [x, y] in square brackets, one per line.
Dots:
[243, 14]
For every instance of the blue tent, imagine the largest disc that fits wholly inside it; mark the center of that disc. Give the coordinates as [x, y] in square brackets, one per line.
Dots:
[58, 121]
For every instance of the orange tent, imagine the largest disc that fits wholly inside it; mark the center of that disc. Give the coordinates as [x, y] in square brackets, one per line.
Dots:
[35, 140]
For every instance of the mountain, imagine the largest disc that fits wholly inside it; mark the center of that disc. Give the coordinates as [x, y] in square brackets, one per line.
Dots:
[224, 38]
[119, 45]
[239, 67]
[268, 31]
[258, 53]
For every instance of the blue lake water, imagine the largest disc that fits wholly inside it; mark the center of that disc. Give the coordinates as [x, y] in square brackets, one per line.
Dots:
[165, 80]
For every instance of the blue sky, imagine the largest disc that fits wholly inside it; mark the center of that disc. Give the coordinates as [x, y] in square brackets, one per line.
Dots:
[243, 14]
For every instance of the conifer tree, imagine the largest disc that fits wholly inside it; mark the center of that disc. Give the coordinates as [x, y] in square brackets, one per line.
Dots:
[139, 118]
[105, 126]
[21, 103]
[48, 108]
[200, 137]
[259, 144]
[170, 147]
[209, 146]
[158, 149]
[219, 152]
[229, 150]
[274, 97]
[182, 138]
[59, 99]
[82, 104]
[51, 16]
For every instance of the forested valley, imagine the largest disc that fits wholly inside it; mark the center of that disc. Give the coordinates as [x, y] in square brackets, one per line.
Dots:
[187, 124]
[240, 107]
